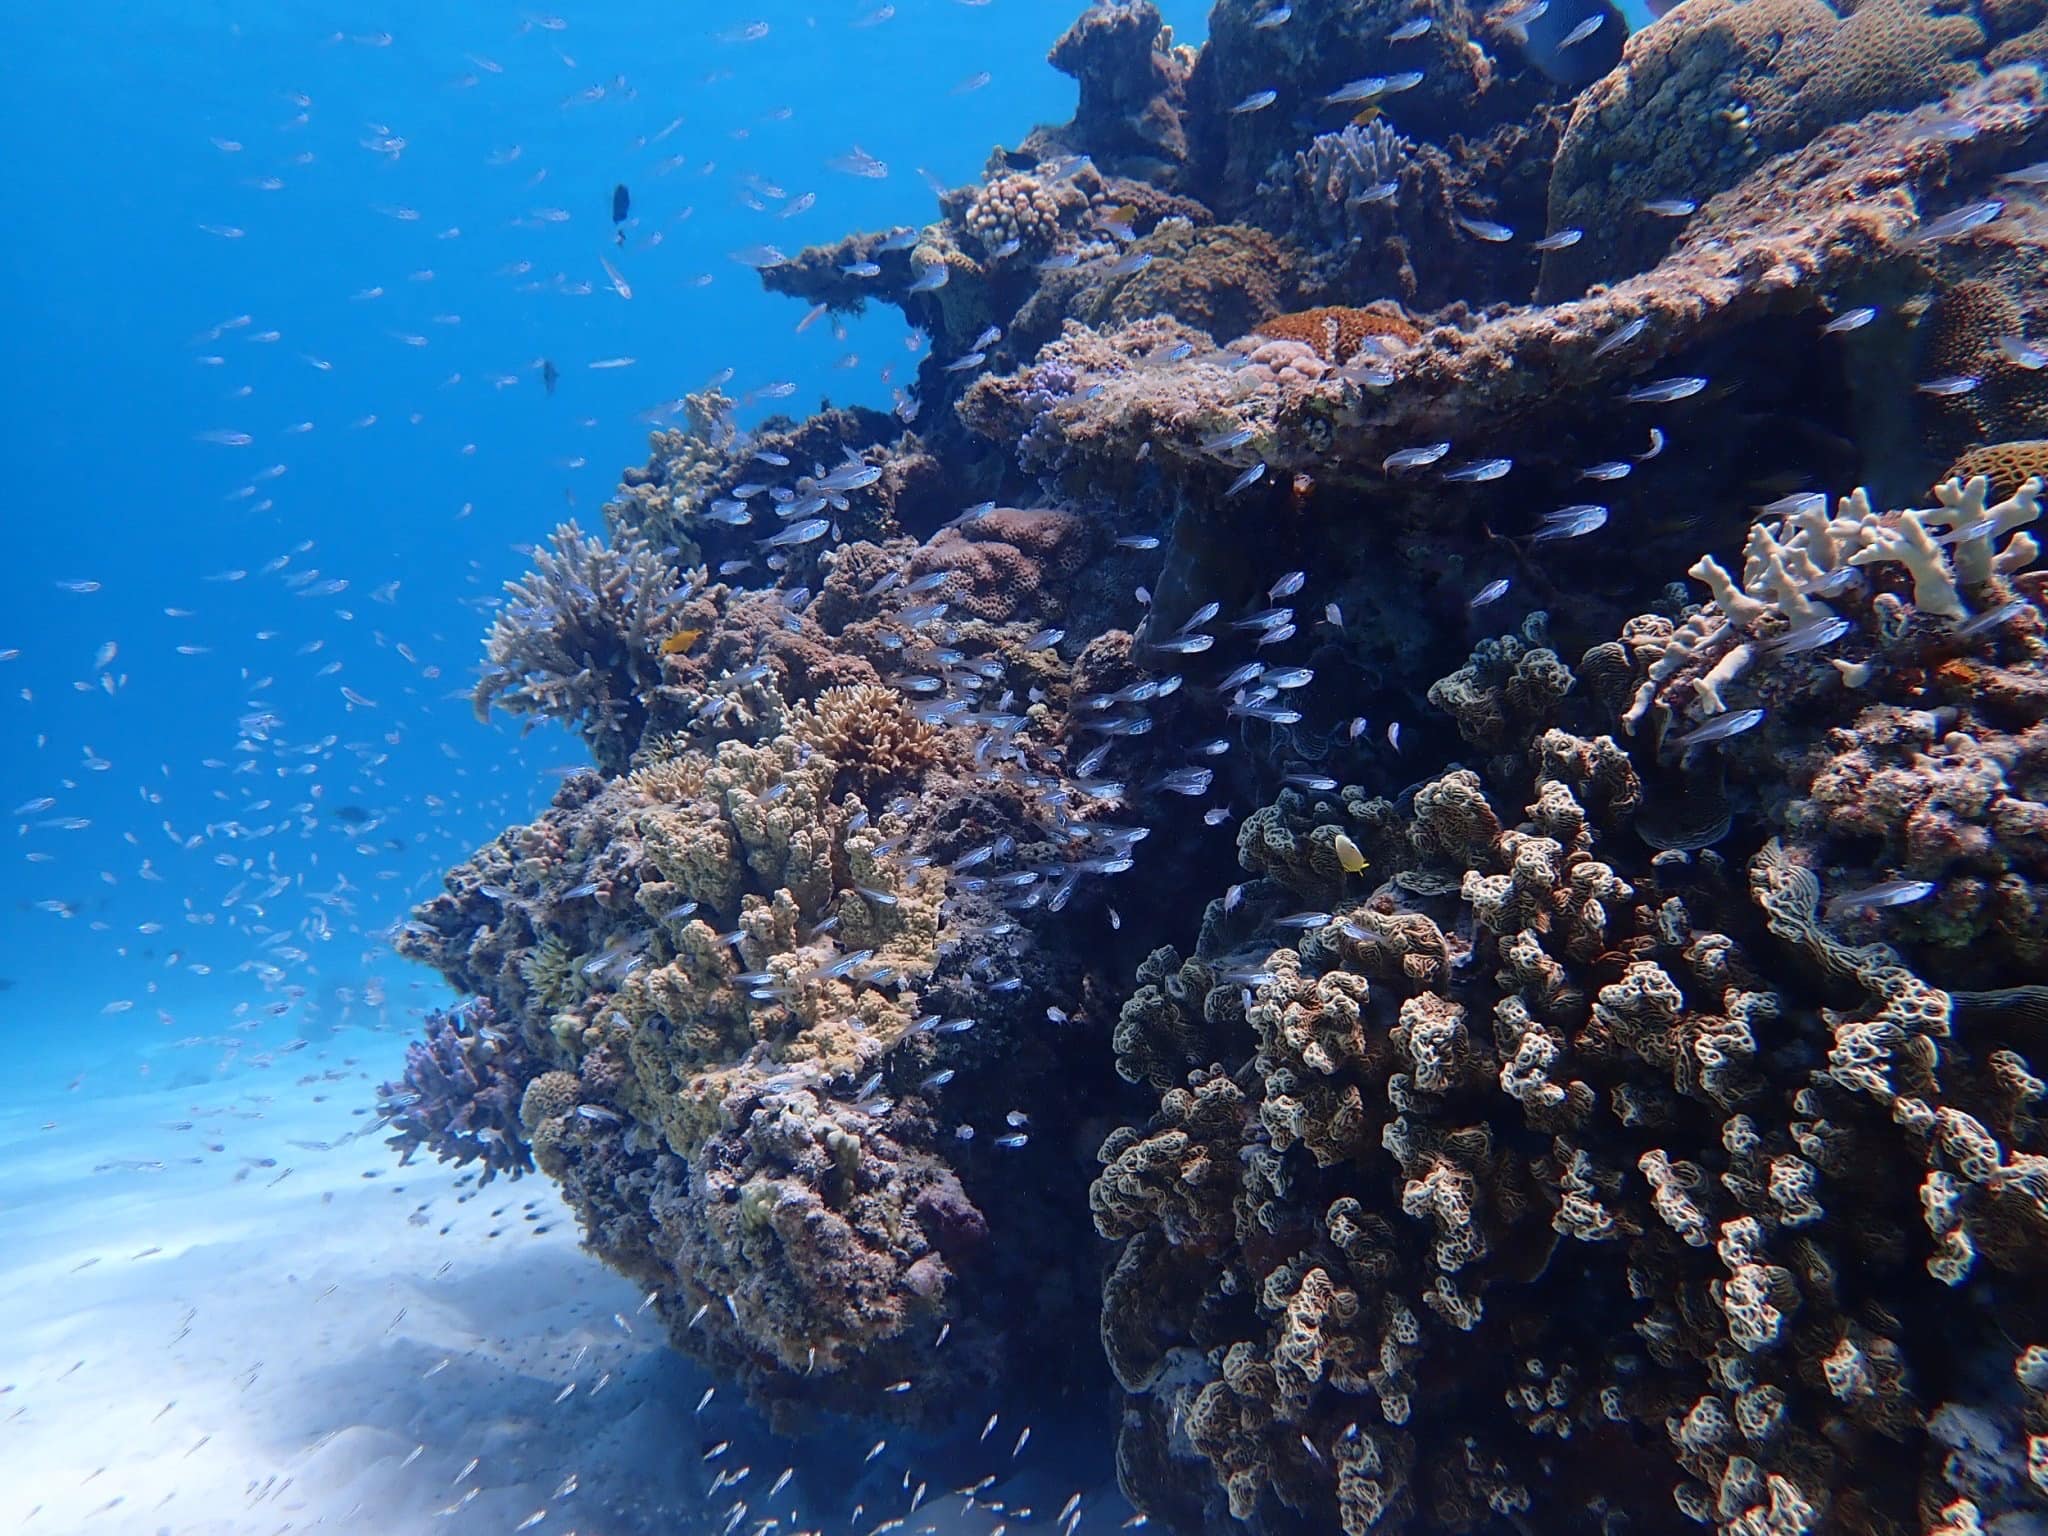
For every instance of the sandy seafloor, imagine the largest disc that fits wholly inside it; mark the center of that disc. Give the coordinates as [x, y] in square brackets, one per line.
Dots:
[281, 1330]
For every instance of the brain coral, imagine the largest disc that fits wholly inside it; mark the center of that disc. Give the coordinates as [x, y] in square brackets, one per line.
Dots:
[2006, 465]
[1716, 85]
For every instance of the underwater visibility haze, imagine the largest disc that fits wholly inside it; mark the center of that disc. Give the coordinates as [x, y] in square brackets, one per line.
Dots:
[971, 766]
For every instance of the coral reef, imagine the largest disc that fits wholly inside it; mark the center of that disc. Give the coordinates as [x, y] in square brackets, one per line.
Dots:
[1602, 1092]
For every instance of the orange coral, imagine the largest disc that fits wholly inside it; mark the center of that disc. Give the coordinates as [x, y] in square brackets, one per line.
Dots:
[1337, 331]
[2005, 464]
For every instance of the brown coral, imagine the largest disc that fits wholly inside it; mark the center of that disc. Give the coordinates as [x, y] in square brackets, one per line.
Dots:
[1336, 332]
[2006, 465]
[877, 743]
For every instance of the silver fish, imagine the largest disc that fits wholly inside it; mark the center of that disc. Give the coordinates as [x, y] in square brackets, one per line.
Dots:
[800, 533]
[1223, 442]
[1492, 592]
[1408, 31]
[1582, 31]
[1124, 266]
[1247, 479]
[1991, 618]
[1485, 469]
[932, 277]
[1571, 522]
[1720, 728]
[1810, 636]
[2022, 353]
[1886, 893]
[1850, 320]
[1413, 458]
[1276, 17]
[1622, 337]
[1950, 384]
[1670, 207]
[1564, 239]
[1961, 221]
[1610, 469]
[1357, 90]
[1485, 229]
[1664, 391]
[1258, 101]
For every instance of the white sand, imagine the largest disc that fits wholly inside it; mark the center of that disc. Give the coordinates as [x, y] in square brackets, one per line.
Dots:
[295, 1337]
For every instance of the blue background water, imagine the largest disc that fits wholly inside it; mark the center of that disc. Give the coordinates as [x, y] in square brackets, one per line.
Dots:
[124, 118]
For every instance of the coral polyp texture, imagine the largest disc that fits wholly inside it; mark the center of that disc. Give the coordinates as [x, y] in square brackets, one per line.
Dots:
[1404, 797]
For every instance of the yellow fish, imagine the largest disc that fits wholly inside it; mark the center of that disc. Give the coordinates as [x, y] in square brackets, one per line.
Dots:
[1349, 858]
[679, 643]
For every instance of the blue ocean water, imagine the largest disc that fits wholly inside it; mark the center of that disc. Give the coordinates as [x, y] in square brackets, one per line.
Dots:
[278, 299]
[350, 234]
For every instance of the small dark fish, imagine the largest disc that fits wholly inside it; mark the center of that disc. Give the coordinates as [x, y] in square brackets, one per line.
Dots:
[1720, 728]
[622, 203]
[1886, 893]
[549, 373]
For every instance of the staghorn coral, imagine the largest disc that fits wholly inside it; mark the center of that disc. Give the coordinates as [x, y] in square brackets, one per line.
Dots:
[580, 639]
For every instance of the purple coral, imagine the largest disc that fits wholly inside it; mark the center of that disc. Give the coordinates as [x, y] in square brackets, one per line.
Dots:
[459, 1097]
[1337, 185]
[579, 639]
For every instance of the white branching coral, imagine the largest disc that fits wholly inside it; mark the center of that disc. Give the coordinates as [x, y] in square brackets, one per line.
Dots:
[1792, 565]
[579, 639]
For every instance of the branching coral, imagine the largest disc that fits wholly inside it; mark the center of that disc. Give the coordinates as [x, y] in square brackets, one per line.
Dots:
[460, 1095]
[580, 639]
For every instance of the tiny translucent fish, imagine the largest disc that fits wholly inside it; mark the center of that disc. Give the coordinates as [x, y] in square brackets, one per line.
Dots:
[1045, 640]
[1249, 478]
[1886, 893]
[1124, 266]
[1492, 592]
[1258, 101]
[1484, 469]
[930, 278]
[1670, 207]
[1187, 781]
[1378, 192]
[1185, 645]
[1992, 618]
[1664, 391]
[1610, 469]
[1287, 585]
[1276, 17]
[1357, 90]
[1794, 504]
[1571, 522]
[1060, 262]
[1408, 31]
[1950, 384]
[1223, 442]
[1849, 320]
[862, 269]
[1810, 636]
[800, 533]
[1622, 337]
[1484, 229]
[1303, 920]
[1564, 239]
[1013, 1140]
[1199, 617]
[858, 162]
[1413, 458]
[1138, 541]
[1394, 734]
[2022, 353]
[970, 360]
[1720, 728]
[2035, 175]
[1216, 815]
[1962, 220]
[1582, 31]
